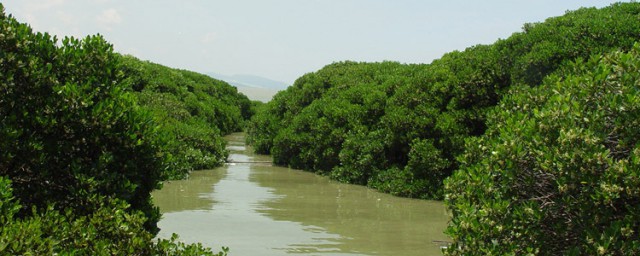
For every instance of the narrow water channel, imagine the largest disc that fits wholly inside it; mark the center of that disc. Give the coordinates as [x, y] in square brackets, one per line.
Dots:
[259, 209]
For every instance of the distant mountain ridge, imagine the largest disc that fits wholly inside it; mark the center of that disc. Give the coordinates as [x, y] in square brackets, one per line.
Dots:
[255, 87]
[251, 81]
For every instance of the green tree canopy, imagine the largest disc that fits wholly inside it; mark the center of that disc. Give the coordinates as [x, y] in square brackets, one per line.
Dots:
[68, 129]
[82, 143]
[194, 111]
[558, 171]
[399, 128]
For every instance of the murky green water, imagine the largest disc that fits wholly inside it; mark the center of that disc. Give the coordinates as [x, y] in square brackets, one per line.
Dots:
[258, 209]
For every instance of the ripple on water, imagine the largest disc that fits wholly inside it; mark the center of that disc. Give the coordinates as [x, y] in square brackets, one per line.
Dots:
[258, 209]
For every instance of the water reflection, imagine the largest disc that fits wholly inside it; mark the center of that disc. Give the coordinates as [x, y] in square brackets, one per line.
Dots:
[258, 209]
[190, 194]
[374, 222]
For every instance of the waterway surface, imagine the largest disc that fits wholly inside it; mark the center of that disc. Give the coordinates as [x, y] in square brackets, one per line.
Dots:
[259, 209]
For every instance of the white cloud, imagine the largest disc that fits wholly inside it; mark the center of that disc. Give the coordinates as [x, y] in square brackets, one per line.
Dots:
[31, 10]
[209, 38]
[66, 18]
[108, 18]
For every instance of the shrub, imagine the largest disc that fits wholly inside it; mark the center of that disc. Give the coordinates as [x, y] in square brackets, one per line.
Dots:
[371, 123]
[68, 129]
[558, 172]
[110, 230]
[82, 156]
[193, 110]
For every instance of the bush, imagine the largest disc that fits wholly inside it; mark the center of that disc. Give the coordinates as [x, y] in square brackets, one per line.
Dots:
[400, 128]
[78, 156]
[68, 129]
[193, 110]
[558, 172]
[111, 230]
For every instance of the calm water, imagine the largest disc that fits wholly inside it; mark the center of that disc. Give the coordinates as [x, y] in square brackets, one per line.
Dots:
[258, 209]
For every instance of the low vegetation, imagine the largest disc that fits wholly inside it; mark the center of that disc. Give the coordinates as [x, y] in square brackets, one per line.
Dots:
[532, 141]
[558, 170]
[193, 109]
[86, 134]
[400, 128]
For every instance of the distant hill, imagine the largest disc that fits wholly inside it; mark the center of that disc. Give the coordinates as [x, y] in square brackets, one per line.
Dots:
[255, 87]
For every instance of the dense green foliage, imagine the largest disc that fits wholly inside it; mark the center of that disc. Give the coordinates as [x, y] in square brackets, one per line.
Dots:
[110, 230]
[558, 171]
[81, 156]
[399, 128]
[193, 109]
[68, 129]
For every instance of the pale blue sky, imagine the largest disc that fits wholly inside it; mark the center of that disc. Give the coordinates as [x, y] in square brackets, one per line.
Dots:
[284, 39]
